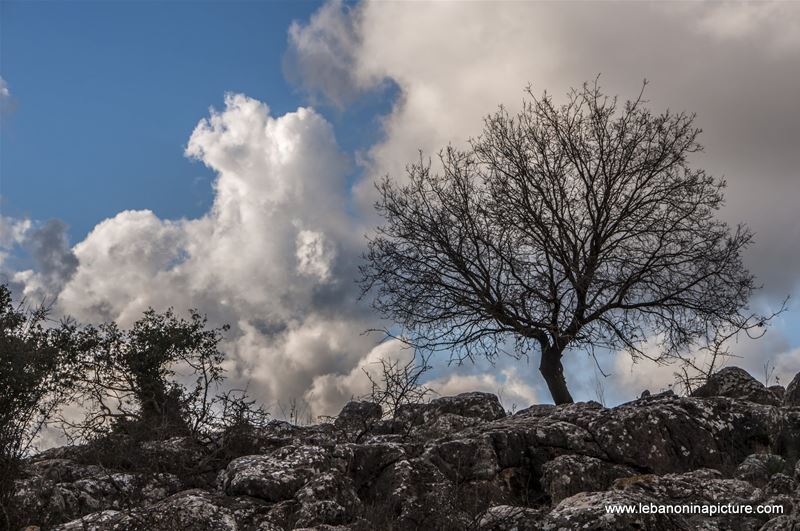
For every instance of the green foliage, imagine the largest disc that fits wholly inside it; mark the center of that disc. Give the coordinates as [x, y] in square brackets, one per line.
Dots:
[38, 373]
[158, 379]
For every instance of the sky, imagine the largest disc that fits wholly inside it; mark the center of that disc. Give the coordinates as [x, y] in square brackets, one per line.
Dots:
[221, 155]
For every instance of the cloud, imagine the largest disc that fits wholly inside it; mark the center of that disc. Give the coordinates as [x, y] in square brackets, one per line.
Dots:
[514, 392]
[321, 58]
[4, 92]
[772, 23]
[329, 391]
[47, 250]
[733, 63]
[275, 256]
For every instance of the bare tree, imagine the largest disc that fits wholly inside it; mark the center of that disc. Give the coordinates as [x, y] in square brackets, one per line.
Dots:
[696, 367]
[562, 227]
[398, 384]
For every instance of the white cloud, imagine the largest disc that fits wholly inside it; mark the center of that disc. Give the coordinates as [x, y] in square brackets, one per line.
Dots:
[321, 55]
[4, 92]
[314, 254]
[274, 256]
[454, 62]
[514, 392]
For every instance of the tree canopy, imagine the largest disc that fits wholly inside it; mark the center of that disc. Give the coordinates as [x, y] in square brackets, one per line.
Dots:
[582, 225]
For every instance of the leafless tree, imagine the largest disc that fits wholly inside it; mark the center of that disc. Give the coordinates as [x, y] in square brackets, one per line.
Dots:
[696, 367]
[562, 227]
[398, 383]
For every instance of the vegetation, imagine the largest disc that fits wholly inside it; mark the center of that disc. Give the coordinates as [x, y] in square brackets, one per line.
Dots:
[560, 228]
[158, 380]
[38, 370]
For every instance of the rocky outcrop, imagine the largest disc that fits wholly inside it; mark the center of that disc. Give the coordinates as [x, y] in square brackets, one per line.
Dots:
[734, 382]
[791, 397]
[454, 463]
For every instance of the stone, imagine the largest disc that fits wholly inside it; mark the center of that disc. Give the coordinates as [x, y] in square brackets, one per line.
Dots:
[358, 417]
[758, 468]
[792, 395]
[274, 477]
[454, 463]
[733, 382]
[506, 517]
[567, 475]
[779, 391]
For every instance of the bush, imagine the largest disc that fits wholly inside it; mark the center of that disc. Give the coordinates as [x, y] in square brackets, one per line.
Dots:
[131, 378]
[38, 371]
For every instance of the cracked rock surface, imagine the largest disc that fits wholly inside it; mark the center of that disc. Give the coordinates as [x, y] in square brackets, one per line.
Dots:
[455, 463]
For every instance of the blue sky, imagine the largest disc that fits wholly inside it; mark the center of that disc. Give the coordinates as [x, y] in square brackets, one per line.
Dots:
[107, 94]
[106, 97]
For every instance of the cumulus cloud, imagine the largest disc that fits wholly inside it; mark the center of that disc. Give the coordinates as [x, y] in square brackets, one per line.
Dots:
[733, 63]
[4, 92]
[275, 256]
[328, 391]
[321, 57]
[514, 392]
[47, 249]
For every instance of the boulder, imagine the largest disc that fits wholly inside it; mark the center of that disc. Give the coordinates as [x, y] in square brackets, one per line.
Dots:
[780, 484]
[328, 499]
[792, 395]
[505, 517]
[733, 382]
[567, 475]
[588, 510]
[274, 477]
[658, 435]
[358, 417]
[779, 391]
[483, 406]
[758, 468]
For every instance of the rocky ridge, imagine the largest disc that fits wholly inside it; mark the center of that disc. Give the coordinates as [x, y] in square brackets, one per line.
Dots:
[455, 463]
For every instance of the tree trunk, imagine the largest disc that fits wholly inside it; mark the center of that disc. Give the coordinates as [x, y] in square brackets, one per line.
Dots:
[553, 373]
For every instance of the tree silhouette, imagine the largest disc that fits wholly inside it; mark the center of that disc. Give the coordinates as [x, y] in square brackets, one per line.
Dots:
[562, 227]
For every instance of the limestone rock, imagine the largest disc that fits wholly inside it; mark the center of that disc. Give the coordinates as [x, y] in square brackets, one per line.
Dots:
[758, 468]
[734, 382]
[358, 417]
[792, 395]
[567, 475]
[274, 477]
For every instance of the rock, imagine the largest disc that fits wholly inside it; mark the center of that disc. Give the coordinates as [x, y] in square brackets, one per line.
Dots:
[454, 463]
[758, 468]
[506, 517]
[702, 487]
[191, 509]
[792, 395]
[100, 521]
[358, 417]
[587, 510]
[463, 460]
[483, 406]
[659, 435]
[328, 499]
[778, 390]
[733, 382]
[567, 475]
[274, 477]
[780, 484]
